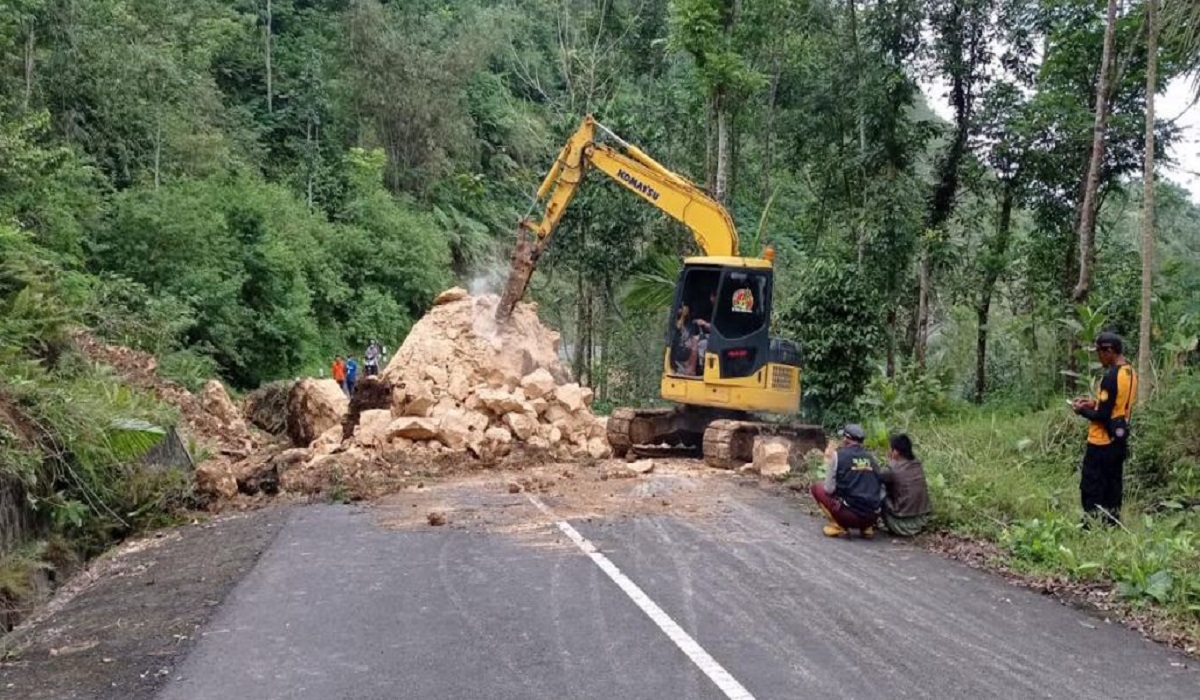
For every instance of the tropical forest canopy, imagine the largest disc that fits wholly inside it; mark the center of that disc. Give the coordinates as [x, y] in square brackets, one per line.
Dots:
[251, 186]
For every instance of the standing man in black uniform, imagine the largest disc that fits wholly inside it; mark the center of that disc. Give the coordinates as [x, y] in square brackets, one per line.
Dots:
[1100, 484]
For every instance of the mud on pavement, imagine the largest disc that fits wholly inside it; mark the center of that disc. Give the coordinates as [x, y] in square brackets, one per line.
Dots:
[498, 501]
[118, 630]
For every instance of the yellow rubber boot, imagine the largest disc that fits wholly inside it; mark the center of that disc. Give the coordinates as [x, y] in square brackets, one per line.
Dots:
[834, 530]
[868, 533]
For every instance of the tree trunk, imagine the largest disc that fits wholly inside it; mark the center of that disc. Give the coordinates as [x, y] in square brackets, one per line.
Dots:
[892, 330]
[860, 118]
[768, 157]
[710, 143]
[308, 176]
[270, 77]
[30, 45]
[1145, 371]
[941, 206]
[922, 311]
[158, 152]
[993, 266]
[724, 148]
[1087, 215]
[580, 321]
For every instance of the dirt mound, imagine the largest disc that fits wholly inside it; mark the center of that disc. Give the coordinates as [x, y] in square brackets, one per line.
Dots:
[465, 382]
[461, 388]
[210, 420]
[266, 407]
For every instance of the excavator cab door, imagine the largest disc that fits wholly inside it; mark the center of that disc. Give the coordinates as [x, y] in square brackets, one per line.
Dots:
[740, 338]
[736, 302]
[695, 299]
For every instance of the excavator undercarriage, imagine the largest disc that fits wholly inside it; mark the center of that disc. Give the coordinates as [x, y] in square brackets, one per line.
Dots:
[724, 438]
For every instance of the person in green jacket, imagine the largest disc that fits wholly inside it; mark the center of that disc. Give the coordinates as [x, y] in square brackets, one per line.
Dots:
[907, 506]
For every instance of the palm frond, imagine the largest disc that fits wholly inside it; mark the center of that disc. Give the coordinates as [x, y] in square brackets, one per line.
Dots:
[654, 288]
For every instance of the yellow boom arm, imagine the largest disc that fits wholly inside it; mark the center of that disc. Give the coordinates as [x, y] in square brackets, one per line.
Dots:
[637, 172]
[675, 195]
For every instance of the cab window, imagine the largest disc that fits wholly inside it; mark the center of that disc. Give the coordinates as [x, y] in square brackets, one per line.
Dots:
[741, 303]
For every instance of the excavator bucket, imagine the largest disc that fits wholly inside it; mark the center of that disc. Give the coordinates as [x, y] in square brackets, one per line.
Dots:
[524, 259]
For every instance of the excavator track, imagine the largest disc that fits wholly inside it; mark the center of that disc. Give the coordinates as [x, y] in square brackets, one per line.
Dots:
[631, 431]
[725, 443]
[730, 443]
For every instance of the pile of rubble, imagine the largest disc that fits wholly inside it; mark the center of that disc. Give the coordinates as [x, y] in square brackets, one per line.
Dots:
[461, 384]
[209, 419]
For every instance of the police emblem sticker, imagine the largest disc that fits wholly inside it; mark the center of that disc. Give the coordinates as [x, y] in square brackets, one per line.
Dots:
[743, 301]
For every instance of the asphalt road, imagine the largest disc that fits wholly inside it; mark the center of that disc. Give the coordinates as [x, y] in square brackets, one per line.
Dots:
[502, 604]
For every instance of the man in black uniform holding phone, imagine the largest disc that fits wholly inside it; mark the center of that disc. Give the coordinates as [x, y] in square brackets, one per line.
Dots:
[1100, 484]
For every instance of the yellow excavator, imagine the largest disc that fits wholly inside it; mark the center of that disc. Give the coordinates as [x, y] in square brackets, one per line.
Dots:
[720, 364]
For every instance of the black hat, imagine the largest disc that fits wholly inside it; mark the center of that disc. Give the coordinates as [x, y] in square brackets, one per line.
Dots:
[854, 431]
[1109, 341]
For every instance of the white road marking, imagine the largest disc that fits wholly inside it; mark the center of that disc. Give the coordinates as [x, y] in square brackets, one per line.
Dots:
[703, 660]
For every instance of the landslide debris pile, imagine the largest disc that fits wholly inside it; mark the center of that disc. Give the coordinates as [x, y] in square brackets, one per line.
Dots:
[209, 419]
[461, 384]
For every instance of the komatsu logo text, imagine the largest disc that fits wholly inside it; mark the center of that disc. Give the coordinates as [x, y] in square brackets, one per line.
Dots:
[638, 185]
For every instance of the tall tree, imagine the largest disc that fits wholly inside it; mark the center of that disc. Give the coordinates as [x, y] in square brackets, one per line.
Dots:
[707, 31]
[1144, 321]
[962, 53]
[268, 35]
[1091, 185]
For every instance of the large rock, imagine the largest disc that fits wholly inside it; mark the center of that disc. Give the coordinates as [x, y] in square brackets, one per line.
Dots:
[417, 400]
[499, 402]
[538, 383]
[370, 394]
[459, 429]
[555, 413]
[216, 402]
[215, 479]
[523, 427]
[314, 406]
[438, 375]
[372, 429]
[570, 396]
[450, 296]
[459, 386]
[413, 428]
[771, 456]
[598, 448]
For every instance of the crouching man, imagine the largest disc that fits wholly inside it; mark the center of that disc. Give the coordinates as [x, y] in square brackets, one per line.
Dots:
[852, 492]
[906, 508]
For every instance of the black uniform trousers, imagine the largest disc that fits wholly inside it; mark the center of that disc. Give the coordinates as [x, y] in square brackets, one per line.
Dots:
[1101, 483]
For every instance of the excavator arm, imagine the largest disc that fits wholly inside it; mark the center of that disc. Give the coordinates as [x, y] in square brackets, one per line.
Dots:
[679, 198]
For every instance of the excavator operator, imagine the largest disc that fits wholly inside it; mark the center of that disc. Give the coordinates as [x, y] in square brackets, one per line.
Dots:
[691, 338]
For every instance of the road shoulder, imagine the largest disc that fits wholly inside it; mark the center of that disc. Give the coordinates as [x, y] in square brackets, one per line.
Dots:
[119, 629]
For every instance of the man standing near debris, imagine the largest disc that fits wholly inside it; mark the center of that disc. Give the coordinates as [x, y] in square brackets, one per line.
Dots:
[351, 376]
[1101, 482]
[372, 358]
[906, 507]
[338, 372]
[852, 492]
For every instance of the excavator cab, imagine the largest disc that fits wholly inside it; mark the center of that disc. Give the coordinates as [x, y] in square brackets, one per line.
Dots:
[727, 302]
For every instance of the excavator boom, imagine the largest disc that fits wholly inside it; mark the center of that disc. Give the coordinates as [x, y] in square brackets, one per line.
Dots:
[709, 222]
